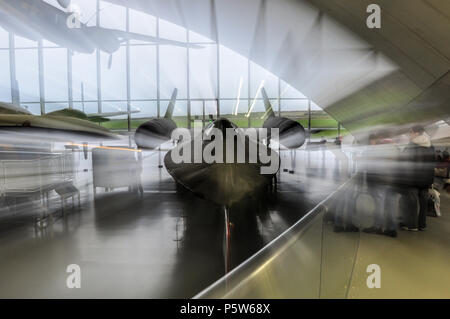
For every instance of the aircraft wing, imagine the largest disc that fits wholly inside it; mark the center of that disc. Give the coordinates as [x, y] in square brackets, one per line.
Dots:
[124, 36]
[110, 114]
[52, 126]
[7, 108]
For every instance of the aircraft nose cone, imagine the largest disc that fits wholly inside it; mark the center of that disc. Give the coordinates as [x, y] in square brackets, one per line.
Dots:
[224, 184]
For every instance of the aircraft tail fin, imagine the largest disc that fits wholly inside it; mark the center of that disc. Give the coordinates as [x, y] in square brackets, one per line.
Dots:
[171, 106]
[267, 104]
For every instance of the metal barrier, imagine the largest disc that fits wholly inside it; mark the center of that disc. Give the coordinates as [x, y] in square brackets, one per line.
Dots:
[309, 260]
[34, 176]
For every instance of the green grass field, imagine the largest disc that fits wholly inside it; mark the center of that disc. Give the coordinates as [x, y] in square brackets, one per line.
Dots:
[318, 121]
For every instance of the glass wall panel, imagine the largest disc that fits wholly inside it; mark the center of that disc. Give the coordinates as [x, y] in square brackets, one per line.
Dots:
[112, 16]
[261, 77]
[197, 113]
[172, 31]
[108, 107]
[237, 94]
[84, 71]
[289, 92]
[198, 38]
[114, 79]
[55, 74]
[48, 44]
[143, 72]
[4, 38]
[173, 62]
[203, 72]
[5, 81]
[27, 73]
[34, 108]
[211, 109]
[294, 105]
[179, 114]
[233, 74]
[147, 109]
[142, 23]
[257, 113]
[87, 107]
[21, 42]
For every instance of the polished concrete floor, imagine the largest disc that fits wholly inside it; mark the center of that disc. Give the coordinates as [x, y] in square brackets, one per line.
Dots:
[413, 265]
[168, 244]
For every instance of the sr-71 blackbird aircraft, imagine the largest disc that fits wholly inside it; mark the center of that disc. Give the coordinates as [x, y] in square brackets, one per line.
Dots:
[155, 132]
[222, 183]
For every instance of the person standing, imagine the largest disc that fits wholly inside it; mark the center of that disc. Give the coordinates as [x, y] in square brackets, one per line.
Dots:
[420, 157]
[381, 170]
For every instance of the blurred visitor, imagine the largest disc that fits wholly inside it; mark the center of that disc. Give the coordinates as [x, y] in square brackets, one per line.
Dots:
[381, 167]
[346, 204]
[418, 174]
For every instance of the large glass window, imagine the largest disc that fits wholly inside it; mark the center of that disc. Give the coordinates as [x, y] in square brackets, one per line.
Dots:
[84, 77]
[86, 107]
[288, 92]
[233, 75]
[114, 79]
[21, 42]
[171, 31]
[203, 72]
[27, 73]
[112, 16]
[142, 23]
[55, 74]
[179, 113]
[240, 80]
[143, 82]
[144, 109]
[34, 108]
[173, 61]
[4, 39]
[5, 81]
[109, 106]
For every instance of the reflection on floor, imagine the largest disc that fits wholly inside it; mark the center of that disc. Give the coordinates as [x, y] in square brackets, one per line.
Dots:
[169, 244]
[414, 265]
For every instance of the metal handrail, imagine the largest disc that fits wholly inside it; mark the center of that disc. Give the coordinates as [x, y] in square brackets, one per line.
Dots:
[273, 249]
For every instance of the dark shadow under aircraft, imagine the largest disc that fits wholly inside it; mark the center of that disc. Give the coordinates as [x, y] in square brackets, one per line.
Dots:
[37, 20]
